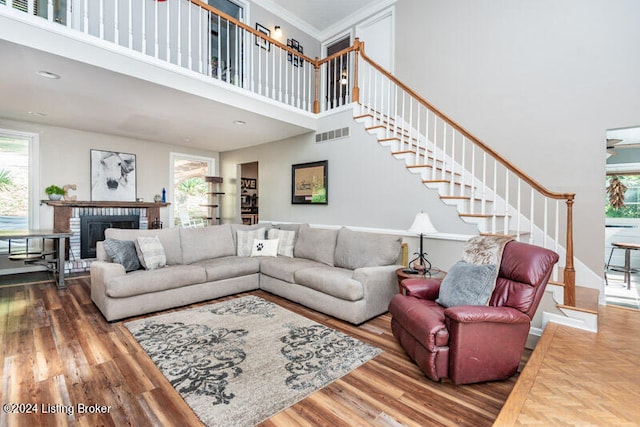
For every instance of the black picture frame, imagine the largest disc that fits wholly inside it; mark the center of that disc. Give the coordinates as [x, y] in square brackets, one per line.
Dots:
[113, 176]
[295, 60]
[263, 43]
[309, 183]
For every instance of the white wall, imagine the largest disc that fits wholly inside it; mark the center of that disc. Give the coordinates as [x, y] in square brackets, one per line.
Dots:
[65, 159]
[539, 81]
[367, 187]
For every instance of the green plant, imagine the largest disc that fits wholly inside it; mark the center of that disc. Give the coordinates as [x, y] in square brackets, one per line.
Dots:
[54, 189]
[5, 179]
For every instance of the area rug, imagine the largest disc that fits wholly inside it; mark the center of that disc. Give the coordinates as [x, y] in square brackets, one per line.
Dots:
[238, 362]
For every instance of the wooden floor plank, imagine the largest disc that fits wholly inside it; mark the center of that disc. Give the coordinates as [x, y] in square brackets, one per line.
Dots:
[56, 346]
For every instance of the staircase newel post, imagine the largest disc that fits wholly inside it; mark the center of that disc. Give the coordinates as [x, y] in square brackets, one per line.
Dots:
[569, 271]
[355, 93]
[316, 101]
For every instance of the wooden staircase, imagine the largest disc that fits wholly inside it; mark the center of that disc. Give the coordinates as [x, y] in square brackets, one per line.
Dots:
[475, 203]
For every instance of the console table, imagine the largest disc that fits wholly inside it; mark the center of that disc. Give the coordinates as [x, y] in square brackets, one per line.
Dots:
[41, 262]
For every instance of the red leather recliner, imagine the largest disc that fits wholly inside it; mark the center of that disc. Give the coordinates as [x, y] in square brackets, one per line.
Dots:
[471, 343]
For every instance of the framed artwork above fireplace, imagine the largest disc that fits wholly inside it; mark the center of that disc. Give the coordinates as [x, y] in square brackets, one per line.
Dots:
[113, 176]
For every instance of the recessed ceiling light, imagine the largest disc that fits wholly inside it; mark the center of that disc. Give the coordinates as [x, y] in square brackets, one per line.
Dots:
[36, 113]
[48, 75]
[240, 122]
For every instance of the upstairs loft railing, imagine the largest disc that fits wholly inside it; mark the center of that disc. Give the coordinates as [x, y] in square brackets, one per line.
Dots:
[195, 36]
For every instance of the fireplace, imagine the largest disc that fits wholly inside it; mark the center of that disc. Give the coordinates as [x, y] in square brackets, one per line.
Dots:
[92, 230]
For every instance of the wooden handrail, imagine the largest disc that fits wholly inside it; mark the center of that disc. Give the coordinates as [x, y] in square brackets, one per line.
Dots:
[506, 163]
[569, 271]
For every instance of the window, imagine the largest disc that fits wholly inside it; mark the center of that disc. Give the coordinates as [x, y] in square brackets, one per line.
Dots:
[631, 208]
[189, 188]
[18, 173]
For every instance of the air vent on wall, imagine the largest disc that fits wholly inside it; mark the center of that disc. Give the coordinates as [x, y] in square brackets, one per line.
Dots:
[331, 135]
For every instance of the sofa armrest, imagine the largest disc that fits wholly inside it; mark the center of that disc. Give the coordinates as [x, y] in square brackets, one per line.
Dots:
[422, 288]
[485, 343]
[101, 272]
[481, 313]
[380, 284]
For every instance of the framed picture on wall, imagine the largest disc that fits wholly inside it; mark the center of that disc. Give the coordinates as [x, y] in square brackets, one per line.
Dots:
[113, 176]
[309, 183]
[259, 40]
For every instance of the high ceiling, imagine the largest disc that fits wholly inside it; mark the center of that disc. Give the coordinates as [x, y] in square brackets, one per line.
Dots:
[318, 14]
[93, 98]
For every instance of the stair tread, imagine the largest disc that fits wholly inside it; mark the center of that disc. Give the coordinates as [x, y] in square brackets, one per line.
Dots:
[464, 198]
[470, 215]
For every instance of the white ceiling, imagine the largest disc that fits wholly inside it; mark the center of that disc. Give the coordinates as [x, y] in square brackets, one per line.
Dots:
[95, 98]
[92, 98]
[318, 16]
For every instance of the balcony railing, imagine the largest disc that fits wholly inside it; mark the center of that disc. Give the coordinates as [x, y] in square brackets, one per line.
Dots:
[195, 36]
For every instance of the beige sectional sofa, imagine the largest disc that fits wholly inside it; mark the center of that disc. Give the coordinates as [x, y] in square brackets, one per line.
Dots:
[344, 273]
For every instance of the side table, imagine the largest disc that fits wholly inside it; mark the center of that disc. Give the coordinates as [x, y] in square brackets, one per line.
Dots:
[436, 273]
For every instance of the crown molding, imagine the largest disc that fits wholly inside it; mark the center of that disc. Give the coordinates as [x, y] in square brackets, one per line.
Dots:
[356, 17]
[323, 35]
[291, 18]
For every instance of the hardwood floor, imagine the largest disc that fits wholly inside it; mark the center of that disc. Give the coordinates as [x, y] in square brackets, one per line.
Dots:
[58, 352]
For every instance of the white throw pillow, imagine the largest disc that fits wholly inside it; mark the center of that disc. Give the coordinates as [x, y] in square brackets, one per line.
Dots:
[287, 239]
[245, 238]
[151, 252]
[265, 247]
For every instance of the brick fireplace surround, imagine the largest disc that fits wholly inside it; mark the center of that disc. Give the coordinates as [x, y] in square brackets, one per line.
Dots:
[66, 218]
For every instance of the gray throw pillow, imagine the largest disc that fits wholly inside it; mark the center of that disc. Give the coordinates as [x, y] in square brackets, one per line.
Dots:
[467, 284]
[122, 252]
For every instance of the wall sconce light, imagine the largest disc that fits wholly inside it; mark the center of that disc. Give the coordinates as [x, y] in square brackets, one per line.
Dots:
[277, 32]
[343, 77]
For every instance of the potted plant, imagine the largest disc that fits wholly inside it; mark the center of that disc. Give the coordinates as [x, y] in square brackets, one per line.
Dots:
[54, 192]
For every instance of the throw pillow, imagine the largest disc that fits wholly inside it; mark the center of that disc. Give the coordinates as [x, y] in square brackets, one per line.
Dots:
[151, 252]
[264, 248]
[245, 240]
[122, 252]
[287, 239]
[467, 284]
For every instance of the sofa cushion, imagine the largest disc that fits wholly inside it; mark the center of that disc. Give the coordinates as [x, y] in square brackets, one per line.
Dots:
[169, 237]
[150, 252]
[245, 238]
[284, 268]
[467, 284]
[123, 252]
[229, 267]
[144, 282]
[356, 249]
[316, 244]
[204, 243]
[332, 281]
[286, 240]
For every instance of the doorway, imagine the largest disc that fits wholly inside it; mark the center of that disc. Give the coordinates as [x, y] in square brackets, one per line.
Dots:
[622, 216]
[227, 43]
[338, 72]
[188, 192]
[249, 197]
